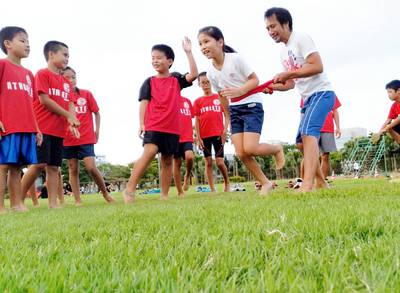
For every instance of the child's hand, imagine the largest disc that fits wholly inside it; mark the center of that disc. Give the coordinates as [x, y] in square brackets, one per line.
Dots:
[338, 133]
[200, 143]
[97, 134]
[39, 138]
[75, 132]
[187, 45]
[73, 121]
[2, 128]
[223, 136]
[230, 93]
[141, 131]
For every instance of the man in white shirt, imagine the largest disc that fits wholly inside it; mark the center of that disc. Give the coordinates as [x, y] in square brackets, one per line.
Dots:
[303, 68]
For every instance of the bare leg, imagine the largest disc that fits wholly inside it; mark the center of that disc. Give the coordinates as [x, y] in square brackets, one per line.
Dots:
[14, 187]
[90, 165]
[60, 191]
[209, 173]
[32, 194]
[29, 179]
[177, 176]
[149, 152]
[224, 171]
[325, 165]
[251, 163]
[73, 171]
[3, 184]
[189, 157]
[166, 175]
[52, 178]
[253, 147]
[394, 135]
[311, 162]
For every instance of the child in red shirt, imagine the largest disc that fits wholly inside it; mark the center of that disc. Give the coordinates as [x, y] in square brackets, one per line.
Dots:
[185, 146]
[54, 109]
[392, 123]
[159, 116]
[211, 131]
[82, 148]
[18, 128]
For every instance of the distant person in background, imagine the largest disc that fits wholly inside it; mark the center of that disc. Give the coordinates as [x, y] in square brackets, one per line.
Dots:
[82, 148]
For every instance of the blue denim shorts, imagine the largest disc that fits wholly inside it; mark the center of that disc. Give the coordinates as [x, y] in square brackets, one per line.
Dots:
[314, 113]
[247, 118]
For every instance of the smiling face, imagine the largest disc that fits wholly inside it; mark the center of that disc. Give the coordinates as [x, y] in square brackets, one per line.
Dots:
[160, 62]
[59, 58]
[204, 83]
[209, 46]
[278, 32]
[18, 46]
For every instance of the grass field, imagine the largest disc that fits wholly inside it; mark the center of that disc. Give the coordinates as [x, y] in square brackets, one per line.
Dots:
[345, 239]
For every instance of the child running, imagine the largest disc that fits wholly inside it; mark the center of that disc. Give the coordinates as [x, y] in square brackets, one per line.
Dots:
[159, 116]
[82, 148]
[211, 130]
[185, 146]
[54, 109]
[19, 131]
[232, 77]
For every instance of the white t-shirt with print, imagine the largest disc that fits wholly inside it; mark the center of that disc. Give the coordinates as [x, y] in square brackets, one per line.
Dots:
[234, 74]
[293, 56]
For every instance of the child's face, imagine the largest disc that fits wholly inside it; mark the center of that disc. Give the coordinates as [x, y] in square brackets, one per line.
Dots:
[19, 45]
[71, 76]
[209, 46]
[393, 94]
[204, 83]
[60, 58]
[160, 62]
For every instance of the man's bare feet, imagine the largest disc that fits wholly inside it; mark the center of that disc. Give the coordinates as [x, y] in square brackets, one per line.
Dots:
[279, 158]
[129, 197]
[266, 188]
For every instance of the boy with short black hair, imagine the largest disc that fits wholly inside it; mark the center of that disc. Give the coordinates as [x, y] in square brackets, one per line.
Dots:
[391, 125]
[159, 116]
[18, 128]
[54, 109]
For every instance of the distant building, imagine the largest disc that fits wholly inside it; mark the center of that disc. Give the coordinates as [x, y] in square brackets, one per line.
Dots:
[349, 134]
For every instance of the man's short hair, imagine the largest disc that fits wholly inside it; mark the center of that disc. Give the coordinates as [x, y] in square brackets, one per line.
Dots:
[282, 16]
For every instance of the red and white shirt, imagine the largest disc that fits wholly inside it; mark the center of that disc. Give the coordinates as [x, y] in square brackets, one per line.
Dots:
[328, 126]
[17, 89]
[85, 106]
[210, 114]
[60, 90]
[163, 94]
[185, 120]
[394, 111]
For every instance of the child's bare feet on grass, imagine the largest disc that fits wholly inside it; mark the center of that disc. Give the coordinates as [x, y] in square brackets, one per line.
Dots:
[185, 186]
[227, 188]
[321, 184]
[19, 208]
[181, 195]
[55, 207]
[279, 158]
[109, 199]
[164, 197]
[128, 196]
[78, 203]
[266, 188]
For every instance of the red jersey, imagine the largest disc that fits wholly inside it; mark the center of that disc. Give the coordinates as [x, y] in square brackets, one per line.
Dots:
[394, 111]
[209, 112]
[60, 90]
[16, 98]
[328, 126]
[185, 120]
[85, 105]
[163, 94]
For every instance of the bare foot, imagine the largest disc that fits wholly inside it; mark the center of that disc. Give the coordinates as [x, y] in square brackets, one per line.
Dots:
[78, 203]
[164, 197]
[227, 188]
[185, 185]
[266, 188]
[279, 158]
[129, 197]
[55, 207]
[321, 184]
[19, 208]
[181, 195]
[109, 199]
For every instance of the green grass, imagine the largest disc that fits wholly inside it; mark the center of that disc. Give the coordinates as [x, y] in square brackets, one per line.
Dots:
[345, 239]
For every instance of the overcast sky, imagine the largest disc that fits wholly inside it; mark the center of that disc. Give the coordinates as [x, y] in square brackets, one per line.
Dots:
[110, 44]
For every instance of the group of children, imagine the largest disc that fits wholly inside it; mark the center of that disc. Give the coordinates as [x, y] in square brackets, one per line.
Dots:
[42, 115]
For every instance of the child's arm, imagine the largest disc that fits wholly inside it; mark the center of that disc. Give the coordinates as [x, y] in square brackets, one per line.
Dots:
[251, 83]
[73, 127]
[288, 85]
[312, 67]
[97, 124]
[187, 47]
[52, 106]
[199, 141]
[389, 124]
[338, 133]
[227, 117]
[142, 111]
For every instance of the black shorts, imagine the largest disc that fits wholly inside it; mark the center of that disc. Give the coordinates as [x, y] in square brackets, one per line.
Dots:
[50, 151]
[183, 147]
[167, 143]
[397, 128]
[216, 142]
[78, 151]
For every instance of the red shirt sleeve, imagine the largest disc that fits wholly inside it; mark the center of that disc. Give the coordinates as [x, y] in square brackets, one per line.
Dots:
[42, 83]
[393, 113]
